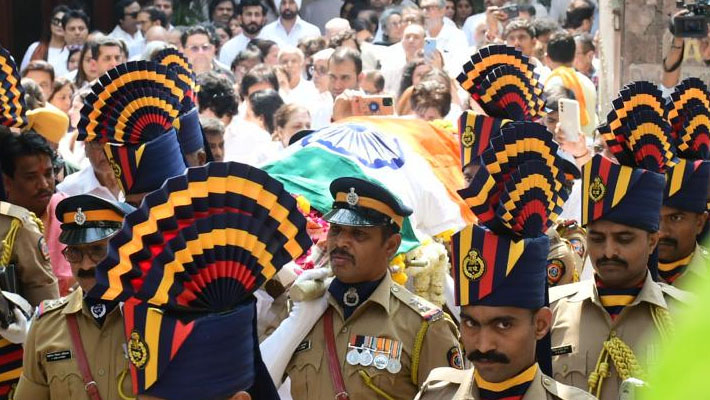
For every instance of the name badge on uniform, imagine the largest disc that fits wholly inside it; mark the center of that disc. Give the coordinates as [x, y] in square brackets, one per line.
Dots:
[561, 350]
[58, 356]
[305, 345]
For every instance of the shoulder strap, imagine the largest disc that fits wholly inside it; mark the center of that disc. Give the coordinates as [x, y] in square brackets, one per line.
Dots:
[333, 363]
[89, 384]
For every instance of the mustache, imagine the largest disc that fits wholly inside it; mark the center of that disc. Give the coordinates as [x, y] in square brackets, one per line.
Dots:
[86, 273]
[253, 27]
[492, 356]
[614, 260]
[668, 242]
[44, 193]
[340, 252]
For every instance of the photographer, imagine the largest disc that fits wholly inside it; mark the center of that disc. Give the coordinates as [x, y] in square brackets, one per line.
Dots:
[673, 59]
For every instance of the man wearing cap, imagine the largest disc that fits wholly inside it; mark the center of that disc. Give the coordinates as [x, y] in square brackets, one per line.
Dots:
[602, 326]
[500, 274]
[681, 260]
[376, 339]
[74, 348]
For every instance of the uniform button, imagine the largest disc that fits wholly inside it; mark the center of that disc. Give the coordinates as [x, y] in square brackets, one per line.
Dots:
[395, 289]
[546, 381]
[101, 372]
[344, 330]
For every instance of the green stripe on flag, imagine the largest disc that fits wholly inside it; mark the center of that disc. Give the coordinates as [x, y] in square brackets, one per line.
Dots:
[309, 172]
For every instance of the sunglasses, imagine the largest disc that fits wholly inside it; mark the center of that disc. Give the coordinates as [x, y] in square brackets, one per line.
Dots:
[133, 14]
[56, 21]
[75, 254]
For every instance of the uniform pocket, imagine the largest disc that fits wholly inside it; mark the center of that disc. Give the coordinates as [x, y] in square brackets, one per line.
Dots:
[64, 379]
[571, 368]
[304, 371]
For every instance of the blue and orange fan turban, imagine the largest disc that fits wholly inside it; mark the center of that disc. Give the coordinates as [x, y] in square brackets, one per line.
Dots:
[12, 95]
[133, 110]
[190, 132]
[639, 137]
[517, 195]
[475, 134]
[501, 80]
[688, 182]
[186, 263]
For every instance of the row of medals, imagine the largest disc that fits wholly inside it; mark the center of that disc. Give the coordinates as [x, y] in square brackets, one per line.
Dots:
[380, 360]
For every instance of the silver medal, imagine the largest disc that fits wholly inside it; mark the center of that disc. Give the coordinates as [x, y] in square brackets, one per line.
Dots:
[353, 357]
[394, 366]
[365, 358]
[381, 361]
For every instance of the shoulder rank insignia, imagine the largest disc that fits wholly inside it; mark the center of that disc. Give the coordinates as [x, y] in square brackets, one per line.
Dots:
[50, 305]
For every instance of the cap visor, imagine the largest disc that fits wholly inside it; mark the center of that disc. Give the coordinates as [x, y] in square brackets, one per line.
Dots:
[344, 216]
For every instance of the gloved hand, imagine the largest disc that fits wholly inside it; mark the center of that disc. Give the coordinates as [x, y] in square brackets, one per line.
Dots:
[17, 331]
[449, 295]
[311, 284]
[277, 349]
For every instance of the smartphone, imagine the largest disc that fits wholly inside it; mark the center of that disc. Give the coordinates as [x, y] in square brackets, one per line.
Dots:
[569, 119]
[373, 105]
[512, 11]
[690, 26]
[429, 48]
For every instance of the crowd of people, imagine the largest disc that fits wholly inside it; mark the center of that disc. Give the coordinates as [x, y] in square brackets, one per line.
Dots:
[219, 210]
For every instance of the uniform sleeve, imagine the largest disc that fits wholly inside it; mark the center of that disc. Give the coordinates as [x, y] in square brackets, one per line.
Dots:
[36, 279]
[33, 381]
[441, 348]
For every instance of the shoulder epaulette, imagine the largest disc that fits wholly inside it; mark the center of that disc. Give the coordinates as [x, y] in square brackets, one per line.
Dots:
[562, 291]
[428, 311]
[47, 306]
[678, 294]
[22, 214]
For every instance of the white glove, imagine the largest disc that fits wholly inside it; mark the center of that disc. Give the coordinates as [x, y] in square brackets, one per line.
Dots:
[17, 331]
[277, 349]
[315, 274]
[449, 294]
[310, 285]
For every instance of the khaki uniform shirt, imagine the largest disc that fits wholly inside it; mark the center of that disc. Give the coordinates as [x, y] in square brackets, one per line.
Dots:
[50, 368]
[391, 312]
[30, 255]
[697, 271]
[581, 325]
[454, 384]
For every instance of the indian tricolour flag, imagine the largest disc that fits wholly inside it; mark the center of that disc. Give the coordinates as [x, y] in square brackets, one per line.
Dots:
[360, 149]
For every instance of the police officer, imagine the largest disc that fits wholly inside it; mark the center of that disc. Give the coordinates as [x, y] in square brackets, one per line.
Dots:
[376, 339]
[189, 315]
[142, 155]
[74, 349]
[500, 277]
[564, 265]
[602, 326]
[682, 261]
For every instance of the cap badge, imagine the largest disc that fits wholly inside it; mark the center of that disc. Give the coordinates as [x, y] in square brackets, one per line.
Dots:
[473, 265]
[597, 189]
[137, 350]
[467, 138]
[79, 217]
[352, 198]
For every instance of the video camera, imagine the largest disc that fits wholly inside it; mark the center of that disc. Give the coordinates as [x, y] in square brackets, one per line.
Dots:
[694, 24]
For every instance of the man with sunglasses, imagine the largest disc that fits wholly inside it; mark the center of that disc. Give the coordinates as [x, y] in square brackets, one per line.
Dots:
[126, 11]
[75, 346]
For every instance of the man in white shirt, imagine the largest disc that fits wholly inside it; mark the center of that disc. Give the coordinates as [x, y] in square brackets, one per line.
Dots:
[399, 54]
[97, 178]
[289, 28]
[320, 118]
[253, 14]
[299, 90]
[127, 28]
[449, 39]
